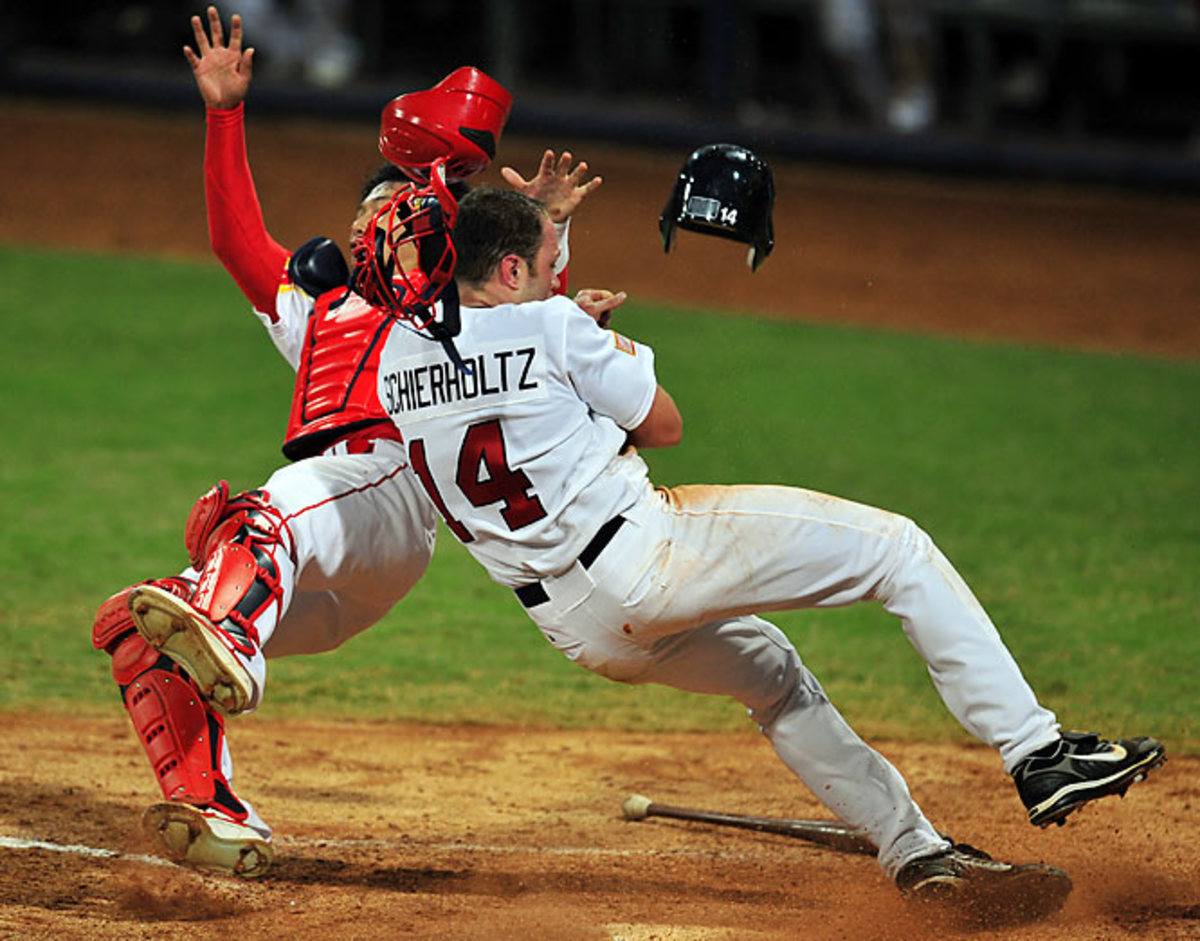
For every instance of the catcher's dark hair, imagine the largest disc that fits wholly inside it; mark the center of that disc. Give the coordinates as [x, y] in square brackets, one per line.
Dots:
[384, 173]
[493, 223]
[390, 173]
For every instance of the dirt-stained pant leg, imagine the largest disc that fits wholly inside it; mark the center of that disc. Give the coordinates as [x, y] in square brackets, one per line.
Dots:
[670, 601]
[751, 660]
[751, 549]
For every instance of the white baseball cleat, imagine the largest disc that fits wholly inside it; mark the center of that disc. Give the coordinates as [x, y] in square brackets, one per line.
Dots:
[206, 839]
[173, 626]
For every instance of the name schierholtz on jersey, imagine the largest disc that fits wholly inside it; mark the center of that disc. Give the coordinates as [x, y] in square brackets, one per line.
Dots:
[429, 380]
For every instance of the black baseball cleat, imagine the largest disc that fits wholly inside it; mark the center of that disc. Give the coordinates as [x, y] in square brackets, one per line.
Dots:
[1060, 778]
[972, 886]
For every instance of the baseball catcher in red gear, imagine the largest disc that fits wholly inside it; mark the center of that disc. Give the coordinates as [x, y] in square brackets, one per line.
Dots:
[330, 543]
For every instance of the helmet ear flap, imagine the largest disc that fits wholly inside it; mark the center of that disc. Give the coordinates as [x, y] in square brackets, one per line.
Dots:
[670, 214]
[763, 243]
[666, 228]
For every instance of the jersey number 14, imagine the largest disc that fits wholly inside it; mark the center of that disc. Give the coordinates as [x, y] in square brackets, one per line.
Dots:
[484, 478]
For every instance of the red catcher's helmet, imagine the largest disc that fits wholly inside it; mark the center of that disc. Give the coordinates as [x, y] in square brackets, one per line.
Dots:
[458, 120]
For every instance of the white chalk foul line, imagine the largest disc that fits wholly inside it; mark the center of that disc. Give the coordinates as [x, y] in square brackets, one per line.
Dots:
[14, 843]
[316, 842]
[17, 843]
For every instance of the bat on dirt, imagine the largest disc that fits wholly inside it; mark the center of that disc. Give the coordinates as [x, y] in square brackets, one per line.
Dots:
[839, 836]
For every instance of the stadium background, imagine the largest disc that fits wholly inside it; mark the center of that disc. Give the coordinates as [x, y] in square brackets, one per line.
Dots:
[1072, 223]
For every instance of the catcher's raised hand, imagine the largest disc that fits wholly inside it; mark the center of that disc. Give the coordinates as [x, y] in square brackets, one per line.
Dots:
[600, 304]
[557, 184]
[222, 72]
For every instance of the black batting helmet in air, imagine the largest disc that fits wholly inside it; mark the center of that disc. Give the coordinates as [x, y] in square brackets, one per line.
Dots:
[725, 190]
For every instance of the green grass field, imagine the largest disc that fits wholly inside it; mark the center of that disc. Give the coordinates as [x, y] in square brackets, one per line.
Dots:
[1065, 486]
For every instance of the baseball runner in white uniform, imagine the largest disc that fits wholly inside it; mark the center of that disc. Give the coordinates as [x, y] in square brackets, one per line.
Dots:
[528, 459]
[331, 542]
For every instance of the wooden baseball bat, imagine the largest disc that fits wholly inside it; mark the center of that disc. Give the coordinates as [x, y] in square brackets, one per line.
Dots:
[831, 833]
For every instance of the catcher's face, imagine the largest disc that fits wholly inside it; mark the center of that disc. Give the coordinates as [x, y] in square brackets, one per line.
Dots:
[386, 250]
[372, 204]
[362, 243]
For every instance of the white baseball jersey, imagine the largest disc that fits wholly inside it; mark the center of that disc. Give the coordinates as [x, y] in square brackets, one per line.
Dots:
[524, 493]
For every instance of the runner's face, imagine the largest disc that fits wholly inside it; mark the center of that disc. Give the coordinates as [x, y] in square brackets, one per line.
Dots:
[541, 281]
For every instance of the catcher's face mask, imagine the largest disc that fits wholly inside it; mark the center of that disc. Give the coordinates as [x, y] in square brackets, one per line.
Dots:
[723, 190]
[404, 257]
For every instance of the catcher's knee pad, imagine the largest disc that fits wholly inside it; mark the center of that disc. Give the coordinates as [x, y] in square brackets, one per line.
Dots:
[234, 542]
[183, 737]
[218, 517]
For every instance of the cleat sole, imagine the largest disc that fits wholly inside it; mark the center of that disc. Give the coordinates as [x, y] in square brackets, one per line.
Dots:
[202, 841]
[169, 625]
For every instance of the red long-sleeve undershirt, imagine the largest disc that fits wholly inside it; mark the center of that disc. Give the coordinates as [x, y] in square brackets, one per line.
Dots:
[236, 229]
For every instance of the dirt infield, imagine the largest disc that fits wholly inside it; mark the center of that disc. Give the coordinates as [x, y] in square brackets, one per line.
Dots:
[416, 831]
[393, 830]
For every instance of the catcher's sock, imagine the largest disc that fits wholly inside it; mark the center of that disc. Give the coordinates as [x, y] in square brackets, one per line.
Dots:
[225, 802]
[1060, 778]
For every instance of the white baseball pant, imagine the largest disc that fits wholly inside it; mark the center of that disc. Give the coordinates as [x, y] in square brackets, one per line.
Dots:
[672, 600]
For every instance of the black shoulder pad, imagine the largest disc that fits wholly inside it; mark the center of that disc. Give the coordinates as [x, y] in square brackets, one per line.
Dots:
[317, 266]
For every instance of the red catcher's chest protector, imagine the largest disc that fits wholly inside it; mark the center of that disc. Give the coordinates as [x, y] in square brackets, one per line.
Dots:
[335, 392]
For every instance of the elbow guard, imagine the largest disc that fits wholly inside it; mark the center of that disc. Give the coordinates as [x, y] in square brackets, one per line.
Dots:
[317, 266]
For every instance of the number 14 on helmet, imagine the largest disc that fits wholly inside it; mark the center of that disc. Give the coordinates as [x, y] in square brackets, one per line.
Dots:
[727, 191]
